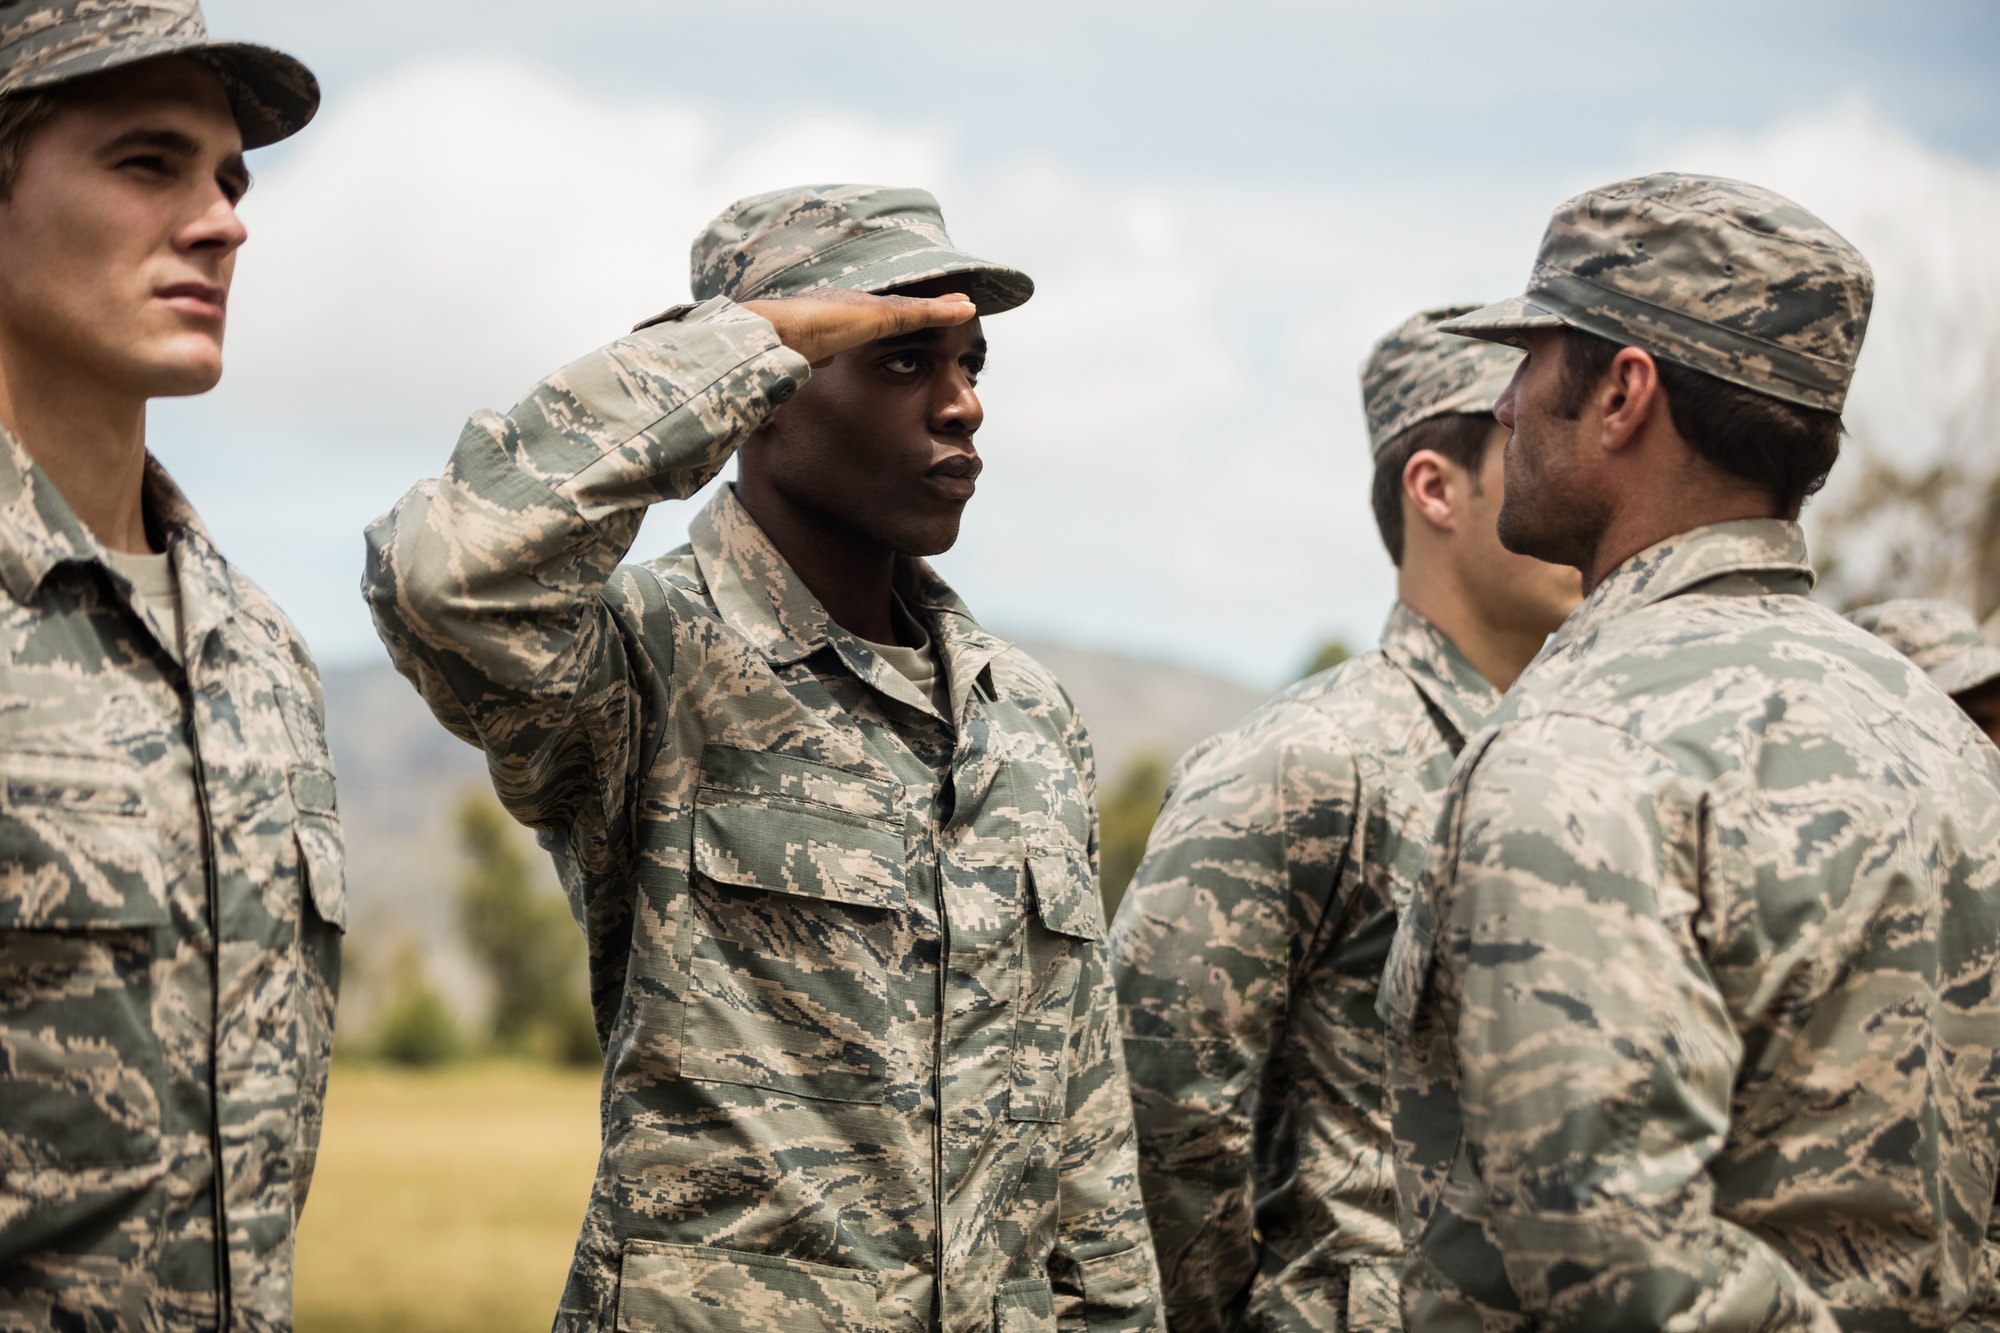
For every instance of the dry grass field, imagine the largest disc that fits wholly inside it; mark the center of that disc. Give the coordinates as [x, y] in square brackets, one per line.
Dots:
[446, 1202]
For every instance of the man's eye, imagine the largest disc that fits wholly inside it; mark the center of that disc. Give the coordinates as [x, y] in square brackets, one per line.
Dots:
[973, 369]
[151, 163]
[902, 364]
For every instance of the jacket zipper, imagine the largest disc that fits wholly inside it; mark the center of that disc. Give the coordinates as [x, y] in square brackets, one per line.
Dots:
[219, 1185]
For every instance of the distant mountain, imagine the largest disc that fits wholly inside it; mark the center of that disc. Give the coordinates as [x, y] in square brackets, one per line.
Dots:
[402, 776]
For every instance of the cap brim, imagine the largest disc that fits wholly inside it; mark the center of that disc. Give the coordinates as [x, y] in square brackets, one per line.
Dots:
[272, 95]
[1504, 321]
[993, 287]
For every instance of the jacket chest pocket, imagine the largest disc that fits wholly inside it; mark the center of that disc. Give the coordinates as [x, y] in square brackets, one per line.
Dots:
[1064, 925]
[798, 928]
[82, 906]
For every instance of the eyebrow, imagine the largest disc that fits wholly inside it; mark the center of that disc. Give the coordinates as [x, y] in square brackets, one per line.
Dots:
[233, 168]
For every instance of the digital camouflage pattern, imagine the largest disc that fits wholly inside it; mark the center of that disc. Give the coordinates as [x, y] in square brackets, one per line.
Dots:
[1695, 1008]
[846, 955]
[156, 1090]
[1415, 373]
[1247, 953]
[1722, 277]
[47, 42]
[870, 238]
[1939, 636]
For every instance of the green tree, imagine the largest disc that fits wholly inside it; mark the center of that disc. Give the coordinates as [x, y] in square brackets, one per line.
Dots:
[417, 1027]
[1326, 657]
[1125, 820]
[522, 937]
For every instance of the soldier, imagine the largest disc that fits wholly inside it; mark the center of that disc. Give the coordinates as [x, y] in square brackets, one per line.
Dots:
[1944, 639]
[832, 843]
[1694, 1008]
[170, 866]
[1247, 950]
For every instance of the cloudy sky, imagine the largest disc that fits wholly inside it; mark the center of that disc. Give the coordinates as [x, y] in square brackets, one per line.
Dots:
[1222, 205]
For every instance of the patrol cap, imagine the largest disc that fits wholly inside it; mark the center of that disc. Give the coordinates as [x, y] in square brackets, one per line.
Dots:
[1715, 275]
[1415, 373]
[1939, 636]
[44, 43]
[870, 238]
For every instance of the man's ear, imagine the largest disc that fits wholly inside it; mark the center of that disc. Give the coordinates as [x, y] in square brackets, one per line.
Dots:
[1627, 396]
[1427, 486]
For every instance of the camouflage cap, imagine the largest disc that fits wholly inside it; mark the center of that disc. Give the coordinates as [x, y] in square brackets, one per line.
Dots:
[1714, 275]
[47, 42]
[870, 238]
[1415, 373]
[1939, 636]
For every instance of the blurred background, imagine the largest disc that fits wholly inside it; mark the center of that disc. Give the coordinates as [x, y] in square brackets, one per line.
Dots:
[1222, 207]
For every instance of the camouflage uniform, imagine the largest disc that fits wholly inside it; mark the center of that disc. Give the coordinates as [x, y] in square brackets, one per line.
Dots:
[861, 1062]
[1695, 1006]
[171, 893]
[1248, 947]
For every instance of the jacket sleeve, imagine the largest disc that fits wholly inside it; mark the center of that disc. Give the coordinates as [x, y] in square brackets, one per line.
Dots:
[1595, 1055]
[1102, 1270]
[1240, 868]
[493, 586]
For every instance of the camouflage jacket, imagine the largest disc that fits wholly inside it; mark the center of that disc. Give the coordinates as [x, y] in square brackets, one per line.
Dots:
[847, 960]
[147, 811]
[1247, 953]
[1696, 1003]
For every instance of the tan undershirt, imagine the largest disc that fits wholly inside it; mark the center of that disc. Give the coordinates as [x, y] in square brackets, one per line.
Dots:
[153, 579]
[918, 665]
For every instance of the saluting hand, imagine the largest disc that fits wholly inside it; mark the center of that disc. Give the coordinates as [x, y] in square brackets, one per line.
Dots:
[822, 324]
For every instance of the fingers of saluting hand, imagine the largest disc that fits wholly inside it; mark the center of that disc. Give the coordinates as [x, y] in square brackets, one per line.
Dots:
[825, 323]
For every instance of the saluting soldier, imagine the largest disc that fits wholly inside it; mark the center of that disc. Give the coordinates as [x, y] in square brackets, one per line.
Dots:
[1696, 1008]
[831, 842]
[1943, 638]
[1248, 948]
[170, 866]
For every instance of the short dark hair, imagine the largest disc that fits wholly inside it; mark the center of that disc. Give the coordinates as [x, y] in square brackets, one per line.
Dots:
[21, 114]
[1460, 436]
[1781, 448]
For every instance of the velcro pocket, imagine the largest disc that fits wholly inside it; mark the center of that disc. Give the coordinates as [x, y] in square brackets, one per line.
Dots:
[796, 935]
[666, 1288]
[1026, 1305]
[1123, 1289]
[323, 863]
[1065, 899]
[77, 847]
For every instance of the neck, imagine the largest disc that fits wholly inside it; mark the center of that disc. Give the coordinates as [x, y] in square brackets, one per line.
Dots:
[1630, 532]
[852, 576]
[91, 443]
[1498, 652]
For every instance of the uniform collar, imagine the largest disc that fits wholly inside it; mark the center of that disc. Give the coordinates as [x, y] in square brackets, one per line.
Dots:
[1770, 551]
[39, 531]
[1441, 673]
[760, 597]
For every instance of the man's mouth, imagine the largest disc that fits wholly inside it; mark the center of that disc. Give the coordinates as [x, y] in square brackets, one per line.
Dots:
[956, 476]
[204, 300]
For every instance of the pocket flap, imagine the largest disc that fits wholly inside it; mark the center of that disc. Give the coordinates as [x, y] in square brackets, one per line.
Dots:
[78, 850]
[1063, 896]
[1027, 1305]
[324, 866]
[702, 1289]
[312, 789]
[791, 848]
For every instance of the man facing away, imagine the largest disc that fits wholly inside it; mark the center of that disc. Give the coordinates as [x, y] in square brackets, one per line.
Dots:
[1695, 1007]
[1944, 639]
[170, 865]
[832, 844]
[1248, 948]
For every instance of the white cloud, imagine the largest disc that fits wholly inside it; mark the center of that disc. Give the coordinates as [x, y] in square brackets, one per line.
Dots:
[1175, 447]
